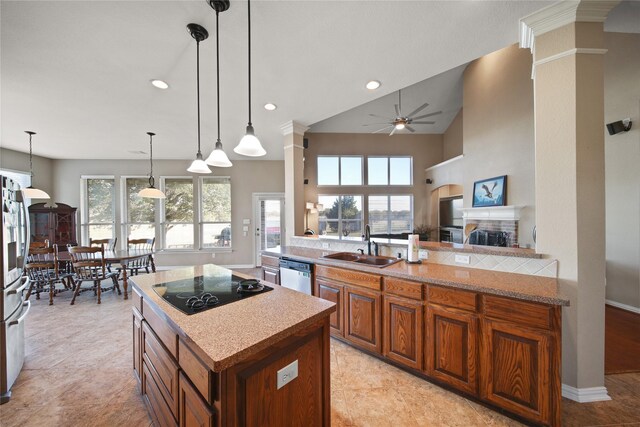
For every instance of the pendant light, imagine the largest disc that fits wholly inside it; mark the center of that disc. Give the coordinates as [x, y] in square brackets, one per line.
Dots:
[30, 192]
[199, 33]
[218, 157]
[151, 191]
[249, 144]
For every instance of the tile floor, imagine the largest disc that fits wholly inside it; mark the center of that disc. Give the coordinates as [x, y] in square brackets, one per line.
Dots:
[78, 373]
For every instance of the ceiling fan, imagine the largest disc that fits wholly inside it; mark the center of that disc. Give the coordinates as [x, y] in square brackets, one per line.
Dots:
[403, 121]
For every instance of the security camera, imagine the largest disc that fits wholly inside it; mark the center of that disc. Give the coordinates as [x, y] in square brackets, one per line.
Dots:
[619, 126]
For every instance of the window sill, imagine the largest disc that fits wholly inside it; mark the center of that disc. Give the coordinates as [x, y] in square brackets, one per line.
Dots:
[196, 251]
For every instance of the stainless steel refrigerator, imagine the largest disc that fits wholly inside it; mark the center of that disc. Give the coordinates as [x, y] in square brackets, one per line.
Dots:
[14, 246]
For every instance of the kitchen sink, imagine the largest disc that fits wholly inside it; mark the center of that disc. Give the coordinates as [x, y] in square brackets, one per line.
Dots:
[372, 260]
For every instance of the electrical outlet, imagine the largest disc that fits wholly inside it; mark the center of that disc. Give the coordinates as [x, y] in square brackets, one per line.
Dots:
[213, 254]
[287, 374]
[423, 254]
[325, 245]
[463, 259]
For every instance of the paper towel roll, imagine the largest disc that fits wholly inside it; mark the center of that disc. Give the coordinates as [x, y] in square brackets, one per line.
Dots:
[412, 250]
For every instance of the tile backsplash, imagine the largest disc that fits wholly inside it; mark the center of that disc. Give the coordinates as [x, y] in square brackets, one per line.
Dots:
[546, 267]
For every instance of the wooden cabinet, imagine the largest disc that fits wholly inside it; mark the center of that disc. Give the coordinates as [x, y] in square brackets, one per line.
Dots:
[362, 318]
[162, 366]
[58, 225]
[451, 343]
[137, 345]
[334, 292]
[194, 412]
[270, 269]
[403, 320]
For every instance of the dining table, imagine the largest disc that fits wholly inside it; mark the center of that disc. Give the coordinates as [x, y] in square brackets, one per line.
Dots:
[119, 256]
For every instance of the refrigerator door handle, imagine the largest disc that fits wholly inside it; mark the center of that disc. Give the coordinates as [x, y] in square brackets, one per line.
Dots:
[21, 318]
[21, 288]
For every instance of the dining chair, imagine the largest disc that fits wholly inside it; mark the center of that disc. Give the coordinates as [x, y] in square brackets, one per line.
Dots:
[89, 266]
[142, 245]
[39, 245]
[42, 270]
[109, 245]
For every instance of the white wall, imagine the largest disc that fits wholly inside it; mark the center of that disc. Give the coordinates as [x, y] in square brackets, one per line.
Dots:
[19, 162]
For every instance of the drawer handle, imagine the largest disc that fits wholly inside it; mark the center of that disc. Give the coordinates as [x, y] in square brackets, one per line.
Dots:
[21, 288]
[21, 318]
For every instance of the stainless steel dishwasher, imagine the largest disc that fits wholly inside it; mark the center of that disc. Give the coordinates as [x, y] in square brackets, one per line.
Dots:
[296, 275]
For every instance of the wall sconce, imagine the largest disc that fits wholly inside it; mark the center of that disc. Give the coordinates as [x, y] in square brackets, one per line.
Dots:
[619, 126]
[429, 181]
[312, 207]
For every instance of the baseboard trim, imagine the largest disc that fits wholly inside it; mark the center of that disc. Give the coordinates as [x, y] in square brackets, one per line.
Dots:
[623, 306]
[585, 395]
[230, 267]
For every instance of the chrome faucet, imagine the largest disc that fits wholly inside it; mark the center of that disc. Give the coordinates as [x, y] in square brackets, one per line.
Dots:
[367, 238]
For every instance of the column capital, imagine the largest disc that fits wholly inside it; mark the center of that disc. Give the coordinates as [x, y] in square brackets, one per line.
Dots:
[293, 127]
[560, 14]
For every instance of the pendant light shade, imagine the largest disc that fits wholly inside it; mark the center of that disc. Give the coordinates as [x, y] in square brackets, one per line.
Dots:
[30, 192]
[249, 144]
[218, 157]
[199, 33]
[151, 192]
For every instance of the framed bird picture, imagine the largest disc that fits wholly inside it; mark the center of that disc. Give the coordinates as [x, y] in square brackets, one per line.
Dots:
[490, 192]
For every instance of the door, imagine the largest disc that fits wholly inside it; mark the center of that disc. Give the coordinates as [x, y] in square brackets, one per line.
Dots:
[403, 331]
[362, 317]
[333, 292]
[268, 222]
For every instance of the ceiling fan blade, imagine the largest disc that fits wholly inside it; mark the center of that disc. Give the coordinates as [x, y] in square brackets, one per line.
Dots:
[409, 128]
[393, 131]
[427, 115]
[422, 123]
[380, 117]
[383, 129]
[372, 124]
[420, 108]
[397, 110]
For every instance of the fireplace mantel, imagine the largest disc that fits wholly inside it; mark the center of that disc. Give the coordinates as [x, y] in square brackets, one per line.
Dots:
[494, 213]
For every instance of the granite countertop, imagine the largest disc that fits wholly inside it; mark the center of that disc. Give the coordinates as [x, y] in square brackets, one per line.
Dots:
[518, 286]
[231, 333]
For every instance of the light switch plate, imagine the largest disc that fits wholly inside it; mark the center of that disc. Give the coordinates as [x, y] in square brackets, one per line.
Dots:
[463, 259]
[246, 221]
[325, 245]
[245, 228]
[287, 374]
[423, 254]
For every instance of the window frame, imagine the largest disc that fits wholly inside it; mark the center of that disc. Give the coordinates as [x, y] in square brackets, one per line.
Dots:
[124, 212]
[340, 157]
[84, 204]
[389, 196]
[340, 220]
[388, 184]
[161, 220]
[200, 214]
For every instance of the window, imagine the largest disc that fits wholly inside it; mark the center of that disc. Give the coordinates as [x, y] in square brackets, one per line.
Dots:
[215, 212]
[98, 210]
[341, 216]
[339, 170]
[140, 212]
[390, 214]
[177, 227]
[389, 171]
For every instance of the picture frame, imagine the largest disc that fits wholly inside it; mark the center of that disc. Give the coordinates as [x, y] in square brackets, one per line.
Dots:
[490, 192]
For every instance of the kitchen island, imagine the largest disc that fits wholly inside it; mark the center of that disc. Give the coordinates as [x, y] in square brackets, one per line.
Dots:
[259, 361]
[492, 336]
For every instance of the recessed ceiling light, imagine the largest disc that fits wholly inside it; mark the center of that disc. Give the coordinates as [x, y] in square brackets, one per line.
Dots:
[270, 107]
[373, 85]
[160, 84]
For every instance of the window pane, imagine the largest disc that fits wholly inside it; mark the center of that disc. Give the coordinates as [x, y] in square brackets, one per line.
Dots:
[100, 193]
[139, 209]
[352, 230]
[216, 200]
[216, 235]
[378, 214]
[351, 171]
[401, 215]
[330, 207]
[351, 207]
[400, 170]
[141, 231]
[100, 232]
[328, 171]
[377, 171]
[178, 236]
[328, 227]
[179, 201]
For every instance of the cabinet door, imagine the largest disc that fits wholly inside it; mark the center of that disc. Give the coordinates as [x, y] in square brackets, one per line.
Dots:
[194, 411]
[403, 321]
[515, 370]
[333, 292]
[452, 347]
[271, 275]
[137, 345]
[362, 316]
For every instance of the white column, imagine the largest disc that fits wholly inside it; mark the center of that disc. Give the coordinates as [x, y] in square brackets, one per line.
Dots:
[293, 178]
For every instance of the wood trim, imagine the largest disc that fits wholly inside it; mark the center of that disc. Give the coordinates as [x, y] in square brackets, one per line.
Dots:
[404, 288]
[137, 346]
[136, 296]
[463, 300]
[366, 280]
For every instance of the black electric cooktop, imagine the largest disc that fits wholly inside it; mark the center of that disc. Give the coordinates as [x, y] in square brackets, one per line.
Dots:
[201, 293]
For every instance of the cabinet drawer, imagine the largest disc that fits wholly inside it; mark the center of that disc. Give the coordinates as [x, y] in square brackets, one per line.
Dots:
[403, 288]
[525, 313]
[193, 410]
[270, 261]
[464, 300]
[162, 367]
[159, 325]
[159, 409]
[200, 375]
[136, 296]
[371, 281]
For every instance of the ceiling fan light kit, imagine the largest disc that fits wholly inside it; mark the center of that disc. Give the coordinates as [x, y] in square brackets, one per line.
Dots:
[151, 192]
[30, 192]
[401, 121]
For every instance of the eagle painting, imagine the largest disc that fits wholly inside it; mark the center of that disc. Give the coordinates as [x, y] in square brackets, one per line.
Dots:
[489, 192]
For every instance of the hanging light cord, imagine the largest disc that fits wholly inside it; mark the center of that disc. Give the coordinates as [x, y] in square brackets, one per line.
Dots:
[198, 90]
[218, 72]
[249, 52]
[30, 159]
[151, 180]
